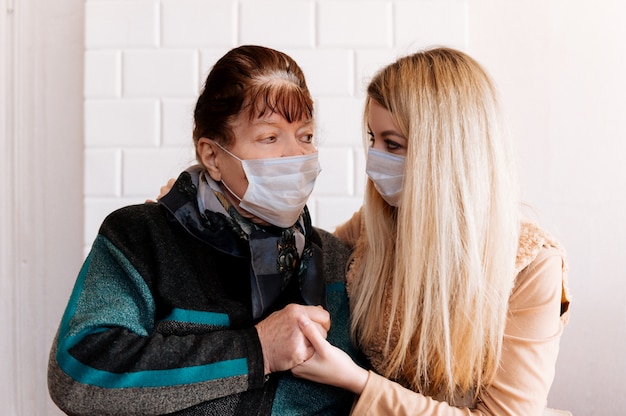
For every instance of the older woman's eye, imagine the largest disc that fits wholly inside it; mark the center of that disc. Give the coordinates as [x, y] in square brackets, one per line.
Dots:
[308, 138]
[269, 139]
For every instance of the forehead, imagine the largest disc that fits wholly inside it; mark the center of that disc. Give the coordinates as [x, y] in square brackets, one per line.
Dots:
[379, 116]
[272, 123]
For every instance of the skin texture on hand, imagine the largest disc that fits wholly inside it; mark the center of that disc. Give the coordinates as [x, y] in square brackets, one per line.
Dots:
[283, 343]
[329, 364]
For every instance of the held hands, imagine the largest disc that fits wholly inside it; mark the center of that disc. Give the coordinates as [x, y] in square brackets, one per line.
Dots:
[283, 343]
[329, 364]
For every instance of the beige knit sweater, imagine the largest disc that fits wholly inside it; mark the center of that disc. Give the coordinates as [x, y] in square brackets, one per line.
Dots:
[530, 345]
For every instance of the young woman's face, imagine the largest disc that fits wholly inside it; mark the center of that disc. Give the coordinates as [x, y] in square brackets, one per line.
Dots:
[270, 136]
[383, 131]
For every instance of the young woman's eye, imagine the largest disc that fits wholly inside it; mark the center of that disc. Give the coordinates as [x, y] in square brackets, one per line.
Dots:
[371, 138]
[391, 145]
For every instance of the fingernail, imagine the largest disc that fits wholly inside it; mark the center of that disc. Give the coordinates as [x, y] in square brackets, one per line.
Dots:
[305, 322]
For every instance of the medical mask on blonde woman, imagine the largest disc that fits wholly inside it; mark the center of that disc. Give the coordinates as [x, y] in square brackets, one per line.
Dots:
[386, 170]
[278, 188]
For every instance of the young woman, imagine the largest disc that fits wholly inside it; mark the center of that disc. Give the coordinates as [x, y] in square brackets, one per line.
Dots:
[191, 306]
[457, 302]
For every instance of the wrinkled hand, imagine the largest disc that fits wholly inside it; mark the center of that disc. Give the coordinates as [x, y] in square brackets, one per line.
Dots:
[329, 364]
[283, 343]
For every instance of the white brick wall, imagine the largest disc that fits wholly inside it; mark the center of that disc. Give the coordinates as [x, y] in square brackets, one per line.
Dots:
[121, 24]
[287, 23]
[145, 61]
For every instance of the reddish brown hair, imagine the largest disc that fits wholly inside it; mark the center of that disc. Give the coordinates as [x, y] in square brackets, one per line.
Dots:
[251, 79]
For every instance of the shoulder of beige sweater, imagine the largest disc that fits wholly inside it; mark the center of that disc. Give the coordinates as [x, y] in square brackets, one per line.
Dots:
[532, 239]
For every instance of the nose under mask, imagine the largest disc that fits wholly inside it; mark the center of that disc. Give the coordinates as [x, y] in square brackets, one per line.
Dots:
[278, 188]
[386, 170]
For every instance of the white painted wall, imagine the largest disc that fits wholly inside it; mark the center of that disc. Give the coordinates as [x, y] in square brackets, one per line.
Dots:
[558, 64]
[41, 175]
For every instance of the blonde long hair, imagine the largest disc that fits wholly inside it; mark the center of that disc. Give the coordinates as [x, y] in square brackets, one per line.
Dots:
[442, 264]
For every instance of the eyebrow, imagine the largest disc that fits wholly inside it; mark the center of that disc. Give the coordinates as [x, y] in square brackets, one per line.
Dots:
[268, 121]
[392, 133]
[386, 133]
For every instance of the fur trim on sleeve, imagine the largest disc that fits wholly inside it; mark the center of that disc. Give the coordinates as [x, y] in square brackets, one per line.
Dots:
[531, 241]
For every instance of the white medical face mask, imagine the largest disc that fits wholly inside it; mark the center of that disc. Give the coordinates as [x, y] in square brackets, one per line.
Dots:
[278, 188]
[386, 170]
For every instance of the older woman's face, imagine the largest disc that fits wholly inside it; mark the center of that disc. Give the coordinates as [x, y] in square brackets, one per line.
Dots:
[270, 136]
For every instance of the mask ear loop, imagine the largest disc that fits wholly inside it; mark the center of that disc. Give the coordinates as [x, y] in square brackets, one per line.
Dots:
[231, 191]
[222, 181]
[231, 154]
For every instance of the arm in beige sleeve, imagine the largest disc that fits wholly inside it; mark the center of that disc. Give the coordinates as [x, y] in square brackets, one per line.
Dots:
[530, 349]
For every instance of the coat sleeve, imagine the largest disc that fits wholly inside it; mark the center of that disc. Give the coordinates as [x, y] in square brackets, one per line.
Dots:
[530, 349]
[113, 356]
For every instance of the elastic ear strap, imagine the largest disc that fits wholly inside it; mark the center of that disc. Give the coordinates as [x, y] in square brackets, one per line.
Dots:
[224, 183]
[230, 190]
[231, 154]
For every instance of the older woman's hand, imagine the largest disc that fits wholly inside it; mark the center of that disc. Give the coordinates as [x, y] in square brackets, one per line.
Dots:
[283, 342]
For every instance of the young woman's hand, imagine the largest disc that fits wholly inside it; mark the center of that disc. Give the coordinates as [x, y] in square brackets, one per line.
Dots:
[166, 188]
[163, 190]
[329, 364]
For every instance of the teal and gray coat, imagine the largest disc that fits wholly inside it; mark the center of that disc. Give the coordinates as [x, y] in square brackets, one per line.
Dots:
[160, 321]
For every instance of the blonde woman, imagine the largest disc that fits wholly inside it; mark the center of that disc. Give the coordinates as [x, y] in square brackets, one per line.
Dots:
[457, 302]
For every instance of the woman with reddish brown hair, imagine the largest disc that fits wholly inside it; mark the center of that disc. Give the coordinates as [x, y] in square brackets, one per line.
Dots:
[190, 306]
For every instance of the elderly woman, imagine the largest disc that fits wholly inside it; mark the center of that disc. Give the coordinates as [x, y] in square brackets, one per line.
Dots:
[191, 306]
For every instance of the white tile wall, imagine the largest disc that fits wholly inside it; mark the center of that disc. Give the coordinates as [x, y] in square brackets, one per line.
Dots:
[103, 73]
[121, 123]
[198, 23]
[428, 23]
[177, 121]
[338, 172]
[339, 131]
[280, 23]
[146, 60]
[355, 23]
[160, 73]
[146, 170]
[124, 24]
[103, 172]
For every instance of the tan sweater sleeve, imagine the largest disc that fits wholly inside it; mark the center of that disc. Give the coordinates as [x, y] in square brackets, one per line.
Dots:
[350, 231]
[530, 349]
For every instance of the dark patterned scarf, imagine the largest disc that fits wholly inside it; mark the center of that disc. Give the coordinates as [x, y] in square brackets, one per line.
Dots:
[276, 255]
